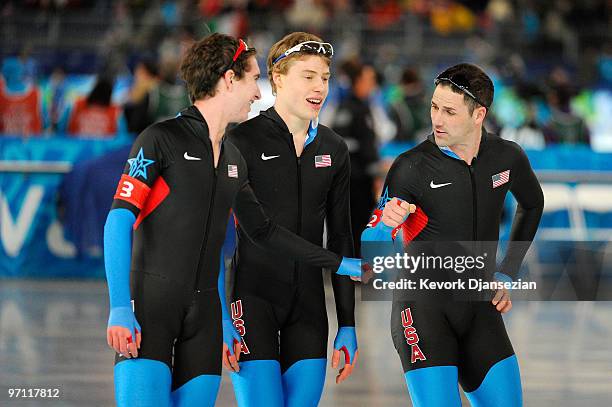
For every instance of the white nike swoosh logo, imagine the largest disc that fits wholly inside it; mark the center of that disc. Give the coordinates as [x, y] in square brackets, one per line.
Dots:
[266, 158]
[188, 157]
[434, 186]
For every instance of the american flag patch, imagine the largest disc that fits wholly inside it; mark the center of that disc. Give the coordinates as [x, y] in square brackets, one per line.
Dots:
[232, 171]
[322, 161]
[501, 178]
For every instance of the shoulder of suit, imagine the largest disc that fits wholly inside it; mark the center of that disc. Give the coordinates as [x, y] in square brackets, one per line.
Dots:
[233, 154]
[230, 147]
[506, 146]
[414, 156]
[169, 127]
[156, 131]
[327, 135]
[254, 124]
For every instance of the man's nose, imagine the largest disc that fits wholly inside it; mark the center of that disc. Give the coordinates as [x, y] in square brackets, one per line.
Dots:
[319, 86]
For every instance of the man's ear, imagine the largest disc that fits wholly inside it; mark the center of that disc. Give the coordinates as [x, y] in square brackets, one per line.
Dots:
[277, 78]
[479, 114]
[228, 78]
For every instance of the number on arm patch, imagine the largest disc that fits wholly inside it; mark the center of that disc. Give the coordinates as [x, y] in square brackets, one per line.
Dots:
[133, 191]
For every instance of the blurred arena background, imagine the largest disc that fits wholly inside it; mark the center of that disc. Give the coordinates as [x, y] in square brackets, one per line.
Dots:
[67, 64]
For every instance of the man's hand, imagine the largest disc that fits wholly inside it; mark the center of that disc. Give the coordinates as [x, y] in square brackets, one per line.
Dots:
[351, 267]
[122, 328]
[346, 343]
[231, 346]
[396, 211]
[367, 272]
[502, 301]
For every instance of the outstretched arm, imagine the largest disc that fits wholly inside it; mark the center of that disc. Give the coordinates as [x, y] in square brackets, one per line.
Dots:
[268, 235]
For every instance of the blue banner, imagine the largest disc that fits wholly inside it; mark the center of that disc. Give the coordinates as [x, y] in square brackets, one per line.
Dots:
[560, 157]
[33, 241]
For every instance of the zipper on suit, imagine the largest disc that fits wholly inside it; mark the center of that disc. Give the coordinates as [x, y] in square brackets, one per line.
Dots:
[210, 213]
[474, 202]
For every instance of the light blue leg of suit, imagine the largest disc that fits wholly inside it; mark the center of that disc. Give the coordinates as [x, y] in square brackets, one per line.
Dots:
[258, 383]
[303, 383]
[434, 386]
[200, 391]
[501, 386]
[142, 383]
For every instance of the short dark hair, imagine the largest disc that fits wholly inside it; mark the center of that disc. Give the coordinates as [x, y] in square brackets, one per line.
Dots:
[150, 65]
[207, 60]
[478, 83]
[410, 75]
[101, 92]
[352, 68]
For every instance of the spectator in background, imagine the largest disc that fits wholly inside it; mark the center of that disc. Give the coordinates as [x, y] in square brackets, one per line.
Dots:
[383, 13]
[137, 110]
[30, 65]
[95, 115]
[55, 103]
[528, 135]
[384, 128]
[410, 112]
[20, 101]
[353, 121]
[528, 131]
[308, 14]
[170, 96]
[563, 126]
[449, 17]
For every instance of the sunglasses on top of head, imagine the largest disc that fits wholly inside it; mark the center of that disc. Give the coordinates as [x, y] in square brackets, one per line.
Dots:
[242, 47]
[460, 82]
[309, 47]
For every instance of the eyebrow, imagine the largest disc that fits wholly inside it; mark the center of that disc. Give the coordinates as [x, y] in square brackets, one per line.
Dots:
[449, 108]
[315, 72]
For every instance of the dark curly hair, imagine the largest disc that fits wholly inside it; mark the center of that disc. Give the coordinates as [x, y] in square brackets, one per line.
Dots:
[207, 60]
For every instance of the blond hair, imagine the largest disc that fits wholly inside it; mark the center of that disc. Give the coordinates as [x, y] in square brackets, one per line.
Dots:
[288, 41]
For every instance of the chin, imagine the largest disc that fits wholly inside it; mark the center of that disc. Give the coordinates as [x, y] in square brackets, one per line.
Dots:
[241, 117]
[311, 114]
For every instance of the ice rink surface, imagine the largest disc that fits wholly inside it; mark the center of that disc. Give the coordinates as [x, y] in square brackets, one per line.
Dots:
[52, 335]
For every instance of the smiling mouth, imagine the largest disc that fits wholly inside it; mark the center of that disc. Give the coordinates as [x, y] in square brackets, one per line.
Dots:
[314, 101]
